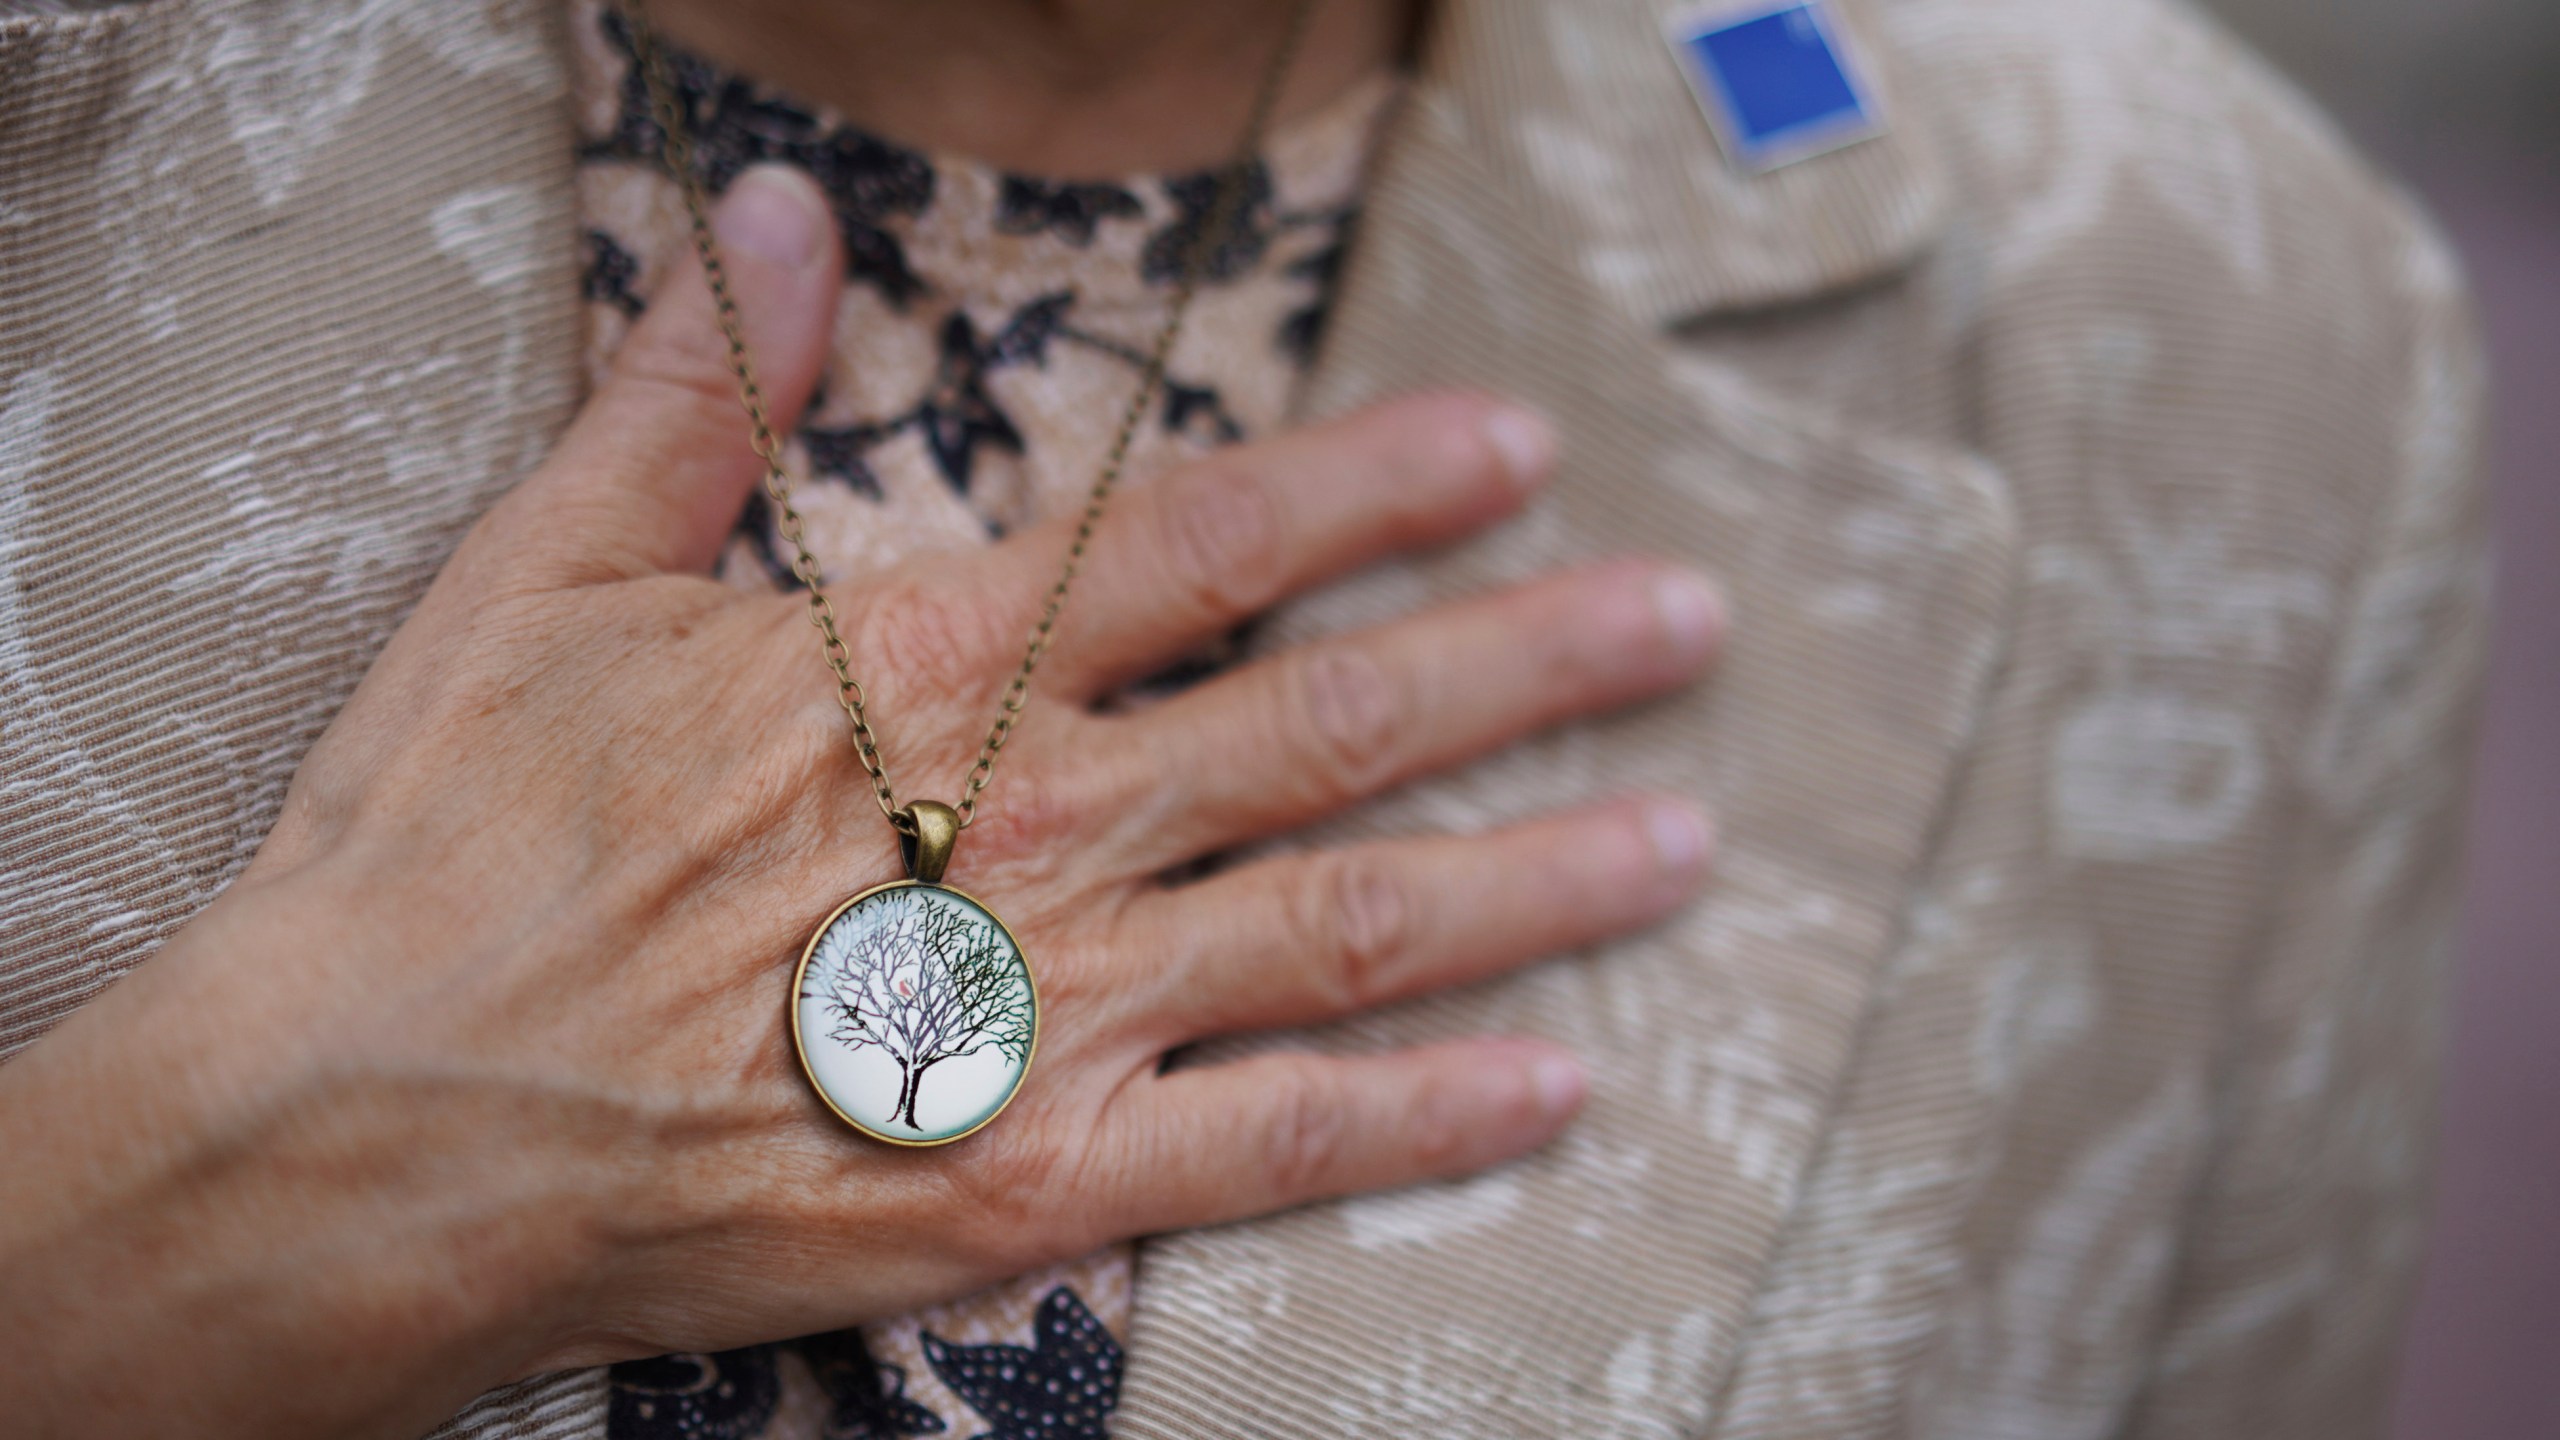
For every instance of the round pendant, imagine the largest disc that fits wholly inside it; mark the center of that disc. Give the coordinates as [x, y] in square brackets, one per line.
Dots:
[914, 1013]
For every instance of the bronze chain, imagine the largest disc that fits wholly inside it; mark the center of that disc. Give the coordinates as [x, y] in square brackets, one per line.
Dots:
[678, 155]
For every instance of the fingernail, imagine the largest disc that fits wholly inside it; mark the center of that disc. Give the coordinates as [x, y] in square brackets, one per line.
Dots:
[1688, 610]
[773, 214]
[1525, 443]
[1677, 834]
[1557, 1083]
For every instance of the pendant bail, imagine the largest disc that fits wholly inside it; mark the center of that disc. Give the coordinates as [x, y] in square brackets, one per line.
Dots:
[925, 840]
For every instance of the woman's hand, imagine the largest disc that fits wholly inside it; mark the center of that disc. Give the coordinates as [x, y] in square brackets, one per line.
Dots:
[481, 1068]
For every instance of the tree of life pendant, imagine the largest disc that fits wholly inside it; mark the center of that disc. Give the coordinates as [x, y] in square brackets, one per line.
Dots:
[913, 1008]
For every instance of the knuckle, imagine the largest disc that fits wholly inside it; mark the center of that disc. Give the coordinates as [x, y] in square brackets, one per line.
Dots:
[1310, 1131]
[1220, 533]
[1585, 632]
[1436, 1130]
[1361, 919]
[1566, 666]
[601, 539]
[1020, 1193]
[1041, 807]
[671, 365]
[936, 638]
[1351, 710]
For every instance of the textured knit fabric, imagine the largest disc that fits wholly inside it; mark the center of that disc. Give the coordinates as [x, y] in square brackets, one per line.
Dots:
[2092, 464]
[991, 332]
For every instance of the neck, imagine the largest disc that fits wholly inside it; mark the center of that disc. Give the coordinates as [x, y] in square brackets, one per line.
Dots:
[1058, 88]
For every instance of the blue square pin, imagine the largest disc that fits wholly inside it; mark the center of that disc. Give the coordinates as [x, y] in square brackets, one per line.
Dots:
[1774, 78]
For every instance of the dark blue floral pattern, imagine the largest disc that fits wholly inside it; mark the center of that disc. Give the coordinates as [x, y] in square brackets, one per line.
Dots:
[609, 273]
[728, 1396]
[1064, 1387]
[872, 185]
[735, 125]
[1072, 212]
[1304, 329]
[959, 416]
[866, 1398]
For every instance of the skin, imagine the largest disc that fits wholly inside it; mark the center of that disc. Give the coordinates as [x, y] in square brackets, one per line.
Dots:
[480, 1069]
[1061, 88]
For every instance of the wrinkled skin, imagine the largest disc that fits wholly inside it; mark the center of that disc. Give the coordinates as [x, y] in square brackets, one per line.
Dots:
[481, 1068]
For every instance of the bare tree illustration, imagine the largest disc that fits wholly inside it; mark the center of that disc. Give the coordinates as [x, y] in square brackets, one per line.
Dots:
[926, 982]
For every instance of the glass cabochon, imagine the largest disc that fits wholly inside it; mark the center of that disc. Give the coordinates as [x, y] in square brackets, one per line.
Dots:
[915, 1013]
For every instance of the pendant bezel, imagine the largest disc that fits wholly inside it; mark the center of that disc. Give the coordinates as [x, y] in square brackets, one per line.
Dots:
[800, 1043]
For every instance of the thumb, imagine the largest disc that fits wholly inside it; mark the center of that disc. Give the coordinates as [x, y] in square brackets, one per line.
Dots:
[653, 473]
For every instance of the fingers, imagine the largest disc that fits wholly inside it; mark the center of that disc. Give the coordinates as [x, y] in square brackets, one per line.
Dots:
[1297, 736]
[652, 475]
[1311, 937]
[1227, 1141]
[1179, 562]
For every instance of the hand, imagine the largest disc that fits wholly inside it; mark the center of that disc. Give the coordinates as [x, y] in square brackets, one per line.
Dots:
[481, 1068]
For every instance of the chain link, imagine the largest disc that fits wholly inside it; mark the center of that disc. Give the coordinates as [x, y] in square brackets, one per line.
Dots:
[677, 152]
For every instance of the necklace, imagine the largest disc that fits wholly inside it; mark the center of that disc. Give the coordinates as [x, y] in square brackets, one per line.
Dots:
[914, 977]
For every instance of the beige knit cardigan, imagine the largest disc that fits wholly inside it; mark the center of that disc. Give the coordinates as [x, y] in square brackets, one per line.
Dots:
[2092, 461]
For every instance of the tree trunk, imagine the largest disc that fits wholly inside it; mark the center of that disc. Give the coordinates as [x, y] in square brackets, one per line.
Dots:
[907, 1102]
